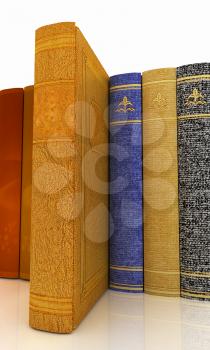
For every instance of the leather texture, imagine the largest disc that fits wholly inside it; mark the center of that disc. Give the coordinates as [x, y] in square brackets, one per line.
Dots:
[69, 247]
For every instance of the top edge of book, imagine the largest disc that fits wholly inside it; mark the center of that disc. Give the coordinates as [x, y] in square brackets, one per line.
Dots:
[161, 75]
[11, 91]
[59, 35]
[55, 29]
[193, 69]
[125, 79]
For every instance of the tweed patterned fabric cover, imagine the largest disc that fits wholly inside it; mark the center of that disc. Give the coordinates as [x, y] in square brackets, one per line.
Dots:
[126, 246]
[193, 109]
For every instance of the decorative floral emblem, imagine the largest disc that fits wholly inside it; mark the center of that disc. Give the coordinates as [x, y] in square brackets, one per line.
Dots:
[125, 106]
[159, 101]
[195, 98]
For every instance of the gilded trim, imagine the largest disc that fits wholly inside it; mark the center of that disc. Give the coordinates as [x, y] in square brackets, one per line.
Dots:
[193, 116]
[163, 272]
[127, 284]
[158, 82]
[51, 304]
[197, 295]
[164, 292]
[196, 274]
[67, 81]
[126, 288]
[125, 86]
[193, 77]
[126, 268]
[122, 122]
[65, 139]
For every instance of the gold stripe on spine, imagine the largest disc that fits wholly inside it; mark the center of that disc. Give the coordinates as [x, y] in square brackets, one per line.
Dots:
[54, 305]
[163, 272]
[125, 288]
[158, 82]
[156, 291]
[125, 268]
[121, 122]
[127, 284]
[193, 77]
[53, 140]
[196, 274]
[193, 116]
[195, 295]
[127, 86]
[54, 82]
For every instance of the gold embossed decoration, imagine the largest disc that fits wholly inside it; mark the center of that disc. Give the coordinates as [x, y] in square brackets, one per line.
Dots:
[159, 101]
[125, 106]
[195, 98]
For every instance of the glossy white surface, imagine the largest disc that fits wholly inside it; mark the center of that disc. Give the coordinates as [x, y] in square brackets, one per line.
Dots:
[118, 321]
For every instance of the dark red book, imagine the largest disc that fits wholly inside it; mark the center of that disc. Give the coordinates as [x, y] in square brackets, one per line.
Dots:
[11, 119]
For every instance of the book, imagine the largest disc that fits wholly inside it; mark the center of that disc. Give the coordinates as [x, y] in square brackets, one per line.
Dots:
[195, 324]
[160, 183]
[193, 111]
[69, 224]
[11, 116]
[126, 244]
[25, 231]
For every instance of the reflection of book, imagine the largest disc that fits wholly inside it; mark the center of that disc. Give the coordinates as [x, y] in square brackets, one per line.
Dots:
[162, 323]
[26, 183]
[69, 248]
[126, 321]
[195, 325]
[11, 110]
[160, 184]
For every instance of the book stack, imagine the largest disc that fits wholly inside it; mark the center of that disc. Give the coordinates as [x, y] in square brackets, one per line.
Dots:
[105, 181]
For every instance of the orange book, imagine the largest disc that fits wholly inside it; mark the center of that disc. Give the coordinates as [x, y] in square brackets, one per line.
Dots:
[69, 215]
[11, 114]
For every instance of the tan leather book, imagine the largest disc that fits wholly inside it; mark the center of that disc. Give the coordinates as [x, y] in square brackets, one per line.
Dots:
[160, 183]
[26, 183]
[11, 115]
[69, 250]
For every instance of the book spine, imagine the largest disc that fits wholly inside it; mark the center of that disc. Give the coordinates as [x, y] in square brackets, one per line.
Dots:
[193, 110]
[11, 118]
[126, 245]
[160, 183]
[25, 231]
[52, 233]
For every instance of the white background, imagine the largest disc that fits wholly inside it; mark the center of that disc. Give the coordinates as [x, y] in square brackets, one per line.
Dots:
[127, 36]
[130, 35]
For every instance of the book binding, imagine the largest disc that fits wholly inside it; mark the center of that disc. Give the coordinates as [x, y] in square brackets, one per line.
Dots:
[126, 244]
[193, 112]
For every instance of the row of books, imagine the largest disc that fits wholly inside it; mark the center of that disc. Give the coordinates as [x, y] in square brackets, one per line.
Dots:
[87, 158]
[159, 180]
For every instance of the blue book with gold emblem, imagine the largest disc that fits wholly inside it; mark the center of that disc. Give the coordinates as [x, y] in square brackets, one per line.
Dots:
[126, 243]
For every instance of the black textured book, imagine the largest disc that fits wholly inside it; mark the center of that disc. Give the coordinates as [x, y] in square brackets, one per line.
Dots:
[193, 109]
